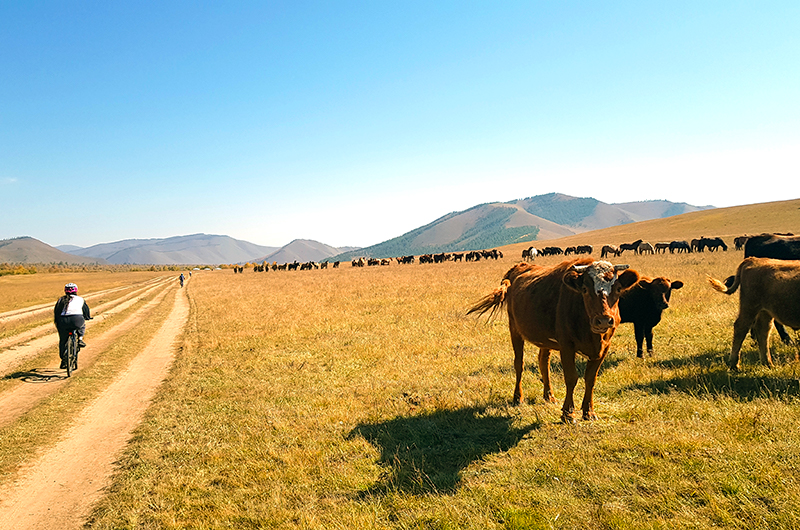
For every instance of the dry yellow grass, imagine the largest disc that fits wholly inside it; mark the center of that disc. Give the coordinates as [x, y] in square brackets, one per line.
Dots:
[32, 289]
[365, 398]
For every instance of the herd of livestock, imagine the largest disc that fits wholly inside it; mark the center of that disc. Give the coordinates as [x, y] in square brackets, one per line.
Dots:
[530, 254]
[638, 247]
[575, 307]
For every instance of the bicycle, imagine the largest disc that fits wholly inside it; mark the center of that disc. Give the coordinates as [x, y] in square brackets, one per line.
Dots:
[72, 352]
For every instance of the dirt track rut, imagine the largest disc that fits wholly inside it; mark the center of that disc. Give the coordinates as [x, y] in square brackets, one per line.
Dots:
[57, 488]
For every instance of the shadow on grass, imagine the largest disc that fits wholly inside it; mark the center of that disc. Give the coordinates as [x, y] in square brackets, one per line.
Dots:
[426, 453]
[707, 374]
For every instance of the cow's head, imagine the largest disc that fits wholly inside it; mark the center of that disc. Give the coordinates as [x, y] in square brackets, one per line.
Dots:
[660, 289]
[601, 284]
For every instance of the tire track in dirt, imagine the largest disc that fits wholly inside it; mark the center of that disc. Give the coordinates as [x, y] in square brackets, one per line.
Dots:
[58, 489]
[102, 311]
[44, 381]
[43, 309]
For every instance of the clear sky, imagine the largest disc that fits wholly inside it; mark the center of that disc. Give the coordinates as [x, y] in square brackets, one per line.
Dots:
[354, 122]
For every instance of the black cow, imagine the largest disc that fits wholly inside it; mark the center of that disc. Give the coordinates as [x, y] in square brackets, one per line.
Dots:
[643, 305]
[773, 246]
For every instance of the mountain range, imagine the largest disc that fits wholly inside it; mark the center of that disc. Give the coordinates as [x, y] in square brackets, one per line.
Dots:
[484, 226]
[541, 217]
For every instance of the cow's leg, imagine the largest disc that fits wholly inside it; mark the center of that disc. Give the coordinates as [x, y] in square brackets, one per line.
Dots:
[519, 363]
[544, 371]
[741, 327]
[648, 336]
[570, 380]
[762, 327]
[638, 330]
[592, 368]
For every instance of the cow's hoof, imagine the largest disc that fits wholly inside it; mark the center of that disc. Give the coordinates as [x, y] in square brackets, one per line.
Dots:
[568, 418]
[590, 416]
[639, 355]
[549, 398]
[733, 369]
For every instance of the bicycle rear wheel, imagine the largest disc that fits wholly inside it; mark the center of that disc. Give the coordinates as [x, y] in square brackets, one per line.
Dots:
[72, 353]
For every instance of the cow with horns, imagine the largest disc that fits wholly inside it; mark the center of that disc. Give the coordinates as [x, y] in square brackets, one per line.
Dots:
[571, 307]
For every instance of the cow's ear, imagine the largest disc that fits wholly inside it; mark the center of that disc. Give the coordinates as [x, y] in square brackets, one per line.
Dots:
[677, 284]
[628, 279]
[573, 280]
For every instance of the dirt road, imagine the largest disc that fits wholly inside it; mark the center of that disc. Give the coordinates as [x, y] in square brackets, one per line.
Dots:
[58, 487]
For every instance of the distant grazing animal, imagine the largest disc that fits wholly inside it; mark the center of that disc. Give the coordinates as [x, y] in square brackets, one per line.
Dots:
[661, 248]
[529, 254]
[571, 307]
[645, 248]
[769, 289]
[713, 243]
[680, 246]
[610, 250]
[643, 304]
[739, 242]
[629, 246]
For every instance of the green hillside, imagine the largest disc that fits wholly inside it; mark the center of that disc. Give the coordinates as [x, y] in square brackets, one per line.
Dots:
[488, 232]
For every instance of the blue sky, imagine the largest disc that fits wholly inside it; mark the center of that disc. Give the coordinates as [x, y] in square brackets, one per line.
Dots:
[353, 122]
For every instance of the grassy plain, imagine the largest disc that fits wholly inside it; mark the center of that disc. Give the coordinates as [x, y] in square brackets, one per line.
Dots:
[31, 289]
[366, 398]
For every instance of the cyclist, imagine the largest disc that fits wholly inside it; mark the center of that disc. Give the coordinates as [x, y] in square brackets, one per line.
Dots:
[70, 313]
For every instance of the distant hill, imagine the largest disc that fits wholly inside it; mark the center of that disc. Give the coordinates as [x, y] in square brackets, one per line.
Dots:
[30, 250]
[198, 249]
[538, 218]
[303, 250]
[68, 248]
[727, 223]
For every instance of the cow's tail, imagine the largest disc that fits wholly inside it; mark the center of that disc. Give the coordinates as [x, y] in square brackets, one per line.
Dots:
[729, 286]
[492, 302]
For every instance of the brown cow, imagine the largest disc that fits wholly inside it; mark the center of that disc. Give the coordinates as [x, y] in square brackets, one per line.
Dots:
[770, 290]
[571, 307]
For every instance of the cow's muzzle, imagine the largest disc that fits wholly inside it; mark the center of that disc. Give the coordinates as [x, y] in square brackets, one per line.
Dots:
[602, 323]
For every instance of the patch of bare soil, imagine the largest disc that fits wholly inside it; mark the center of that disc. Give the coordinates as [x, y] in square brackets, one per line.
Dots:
[58, 488]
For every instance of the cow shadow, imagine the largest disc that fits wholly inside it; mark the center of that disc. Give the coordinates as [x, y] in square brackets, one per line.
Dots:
[38, 375]
[709, 377]
[426, 453]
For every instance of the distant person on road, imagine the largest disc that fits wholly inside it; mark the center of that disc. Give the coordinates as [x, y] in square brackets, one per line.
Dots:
[70, 313]
[181, 279]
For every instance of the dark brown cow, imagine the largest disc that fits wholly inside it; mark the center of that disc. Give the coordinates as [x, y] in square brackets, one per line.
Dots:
[572, 308]
[643, 305]
[769, 290]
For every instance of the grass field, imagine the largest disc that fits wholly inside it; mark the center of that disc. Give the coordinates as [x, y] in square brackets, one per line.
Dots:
[365, 398]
